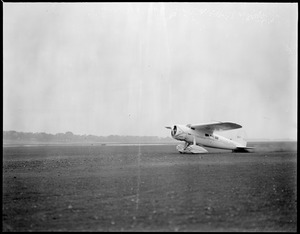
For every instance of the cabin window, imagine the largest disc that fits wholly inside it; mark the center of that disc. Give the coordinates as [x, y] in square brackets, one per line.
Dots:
[206, 135]
[193, 128]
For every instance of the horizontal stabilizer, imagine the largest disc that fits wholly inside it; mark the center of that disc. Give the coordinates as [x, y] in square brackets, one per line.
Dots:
[243, 149]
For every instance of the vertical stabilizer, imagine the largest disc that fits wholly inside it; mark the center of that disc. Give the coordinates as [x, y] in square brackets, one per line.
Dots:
[240, 138]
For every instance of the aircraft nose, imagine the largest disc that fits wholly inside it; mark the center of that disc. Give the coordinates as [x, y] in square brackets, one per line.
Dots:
[174, 130]
[177, 133]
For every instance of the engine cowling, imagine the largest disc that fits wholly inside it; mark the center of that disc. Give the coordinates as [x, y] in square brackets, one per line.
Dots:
[178, 133]
[174, 131]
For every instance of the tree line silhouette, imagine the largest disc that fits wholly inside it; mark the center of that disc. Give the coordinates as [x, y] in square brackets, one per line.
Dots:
[19, 137]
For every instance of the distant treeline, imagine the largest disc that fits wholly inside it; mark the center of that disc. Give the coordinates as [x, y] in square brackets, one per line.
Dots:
[18, 137]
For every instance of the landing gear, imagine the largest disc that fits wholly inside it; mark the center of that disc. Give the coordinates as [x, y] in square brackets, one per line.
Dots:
[186, 145]
[191, 149]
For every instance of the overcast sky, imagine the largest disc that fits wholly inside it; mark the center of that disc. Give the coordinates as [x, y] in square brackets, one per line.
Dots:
[133, 68]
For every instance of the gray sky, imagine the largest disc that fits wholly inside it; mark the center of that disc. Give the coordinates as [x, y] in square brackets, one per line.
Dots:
[133, 68]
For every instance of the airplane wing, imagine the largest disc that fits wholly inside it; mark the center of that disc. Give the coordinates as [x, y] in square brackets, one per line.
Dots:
[217, 126]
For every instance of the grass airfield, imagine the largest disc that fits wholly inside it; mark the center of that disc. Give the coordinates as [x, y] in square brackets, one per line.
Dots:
[149, 188]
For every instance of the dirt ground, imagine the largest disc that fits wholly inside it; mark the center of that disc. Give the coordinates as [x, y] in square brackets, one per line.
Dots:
[149, 188]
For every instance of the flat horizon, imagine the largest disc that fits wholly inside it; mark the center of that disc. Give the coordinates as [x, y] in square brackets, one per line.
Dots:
[247, 139]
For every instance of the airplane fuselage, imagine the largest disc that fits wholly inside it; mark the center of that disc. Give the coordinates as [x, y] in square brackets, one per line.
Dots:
[184, 133]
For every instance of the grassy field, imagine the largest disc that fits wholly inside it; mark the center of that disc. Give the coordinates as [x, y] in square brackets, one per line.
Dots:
[149, 188]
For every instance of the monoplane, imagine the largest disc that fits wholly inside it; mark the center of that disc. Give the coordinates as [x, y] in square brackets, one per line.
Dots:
[197, 136]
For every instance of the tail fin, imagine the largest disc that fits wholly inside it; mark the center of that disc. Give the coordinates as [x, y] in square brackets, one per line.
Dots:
[240, 138]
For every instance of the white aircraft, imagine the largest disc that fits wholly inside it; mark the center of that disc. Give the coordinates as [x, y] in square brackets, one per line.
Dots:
[197, 135]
